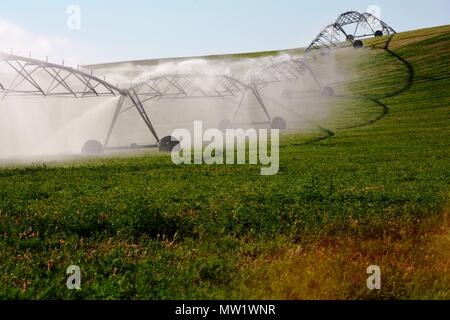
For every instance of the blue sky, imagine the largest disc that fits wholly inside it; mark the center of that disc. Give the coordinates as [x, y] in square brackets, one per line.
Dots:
[113, 30]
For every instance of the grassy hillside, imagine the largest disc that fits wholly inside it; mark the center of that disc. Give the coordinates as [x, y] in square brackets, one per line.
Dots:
[374, 189]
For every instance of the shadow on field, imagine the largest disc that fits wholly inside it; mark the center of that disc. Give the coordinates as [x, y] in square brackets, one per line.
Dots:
[408, 85]
[378, 101]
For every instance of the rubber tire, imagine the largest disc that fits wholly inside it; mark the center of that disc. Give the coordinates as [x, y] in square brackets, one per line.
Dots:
[358, 44]
[327, 92]
[224, 125]
[278, 123]
[92, 147]
[168, 144]
[378, 33]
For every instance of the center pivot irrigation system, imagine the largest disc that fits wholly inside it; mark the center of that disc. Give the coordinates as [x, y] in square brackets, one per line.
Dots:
[42, 78]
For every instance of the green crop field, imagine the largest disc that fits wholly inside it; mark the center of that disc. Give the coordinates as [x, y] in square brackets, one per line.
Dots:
[370, 188]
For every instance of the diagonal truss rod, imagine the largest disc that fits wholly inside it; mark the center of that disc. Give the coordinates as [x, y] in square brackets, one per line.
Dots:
[137, 103]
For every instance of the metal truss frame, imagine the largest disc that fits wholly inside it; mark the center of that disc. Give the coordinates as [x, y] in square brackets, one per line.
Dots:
[40, 78]
[331, 36]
